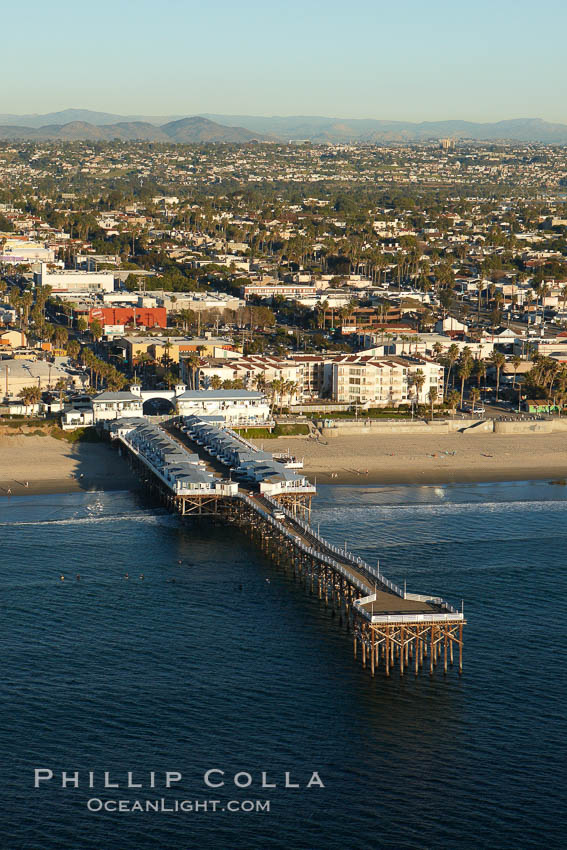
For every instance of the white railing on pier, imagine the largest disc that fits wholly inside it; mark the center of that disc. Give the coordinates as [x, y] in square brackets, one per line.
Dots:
[360, 563]
[308, 550]
[342, 553]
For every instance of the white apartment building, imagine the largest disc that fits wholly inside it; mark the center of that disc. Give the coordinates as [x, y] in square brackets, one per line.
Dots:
[69, 280]
[383, 382]
[254, 368]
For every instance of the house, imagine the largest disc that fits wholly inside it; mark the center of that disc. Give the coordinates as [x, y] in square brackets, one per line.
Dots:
[73, 418]
[274, 477]
[182, 471]
[114, 405]
[12, 339]
[450, 325]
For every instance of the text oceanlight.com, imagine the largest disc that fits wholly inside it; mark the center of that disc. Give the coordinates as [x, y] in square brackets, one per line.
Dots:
[95, 804]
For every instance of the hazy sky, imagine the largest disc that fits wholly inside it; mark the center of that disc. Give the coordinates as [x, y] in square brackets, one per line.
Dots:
[400, 59]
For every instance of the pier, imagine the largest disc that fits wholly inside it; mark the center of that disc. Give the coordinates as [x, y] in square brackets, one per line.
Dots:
[199, 468]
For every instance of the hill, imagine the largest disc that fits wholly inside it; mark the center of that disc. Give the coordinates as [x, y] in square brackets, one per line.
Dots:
[185, 130]
[320, 129]
[79, 124]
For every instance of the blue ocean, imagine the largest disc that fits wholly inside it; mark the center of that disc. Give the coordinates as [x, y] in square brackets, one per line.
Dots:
[131, 642]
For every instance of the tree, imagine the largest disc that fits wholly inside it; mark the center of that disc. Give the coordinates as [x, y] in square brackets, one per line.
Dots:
[73, 349]
[290, 388]
[432, 397]
[475, 395]
[454, 398]
[61, 386]
[452, 357]
[498, 360]
[259, 382]
[516, 362]
[82, 325]
[30, 396]
[418, 381]
[96, 329]
[464, 372]
[61, 336]
[169, 379]
[479, 370]
[192, 365]
[215, 382]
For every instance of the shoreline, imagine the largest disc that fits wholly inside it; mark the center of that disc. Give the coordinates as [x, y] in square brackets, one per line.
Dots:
[62, 486]
[436, 478]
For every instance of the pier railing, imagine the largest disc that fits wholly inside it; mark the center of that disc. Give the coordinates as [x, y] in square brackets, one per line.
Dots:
[361, 564]
[308, 550]
[355, 560]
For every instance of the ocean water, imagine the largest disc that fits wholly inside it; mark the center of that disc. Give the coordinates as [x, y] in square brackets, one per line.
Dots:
[180, 648]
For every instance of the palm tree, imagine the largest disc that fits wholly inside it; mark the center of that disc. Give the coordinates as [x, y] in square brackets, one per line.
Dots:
[96, 330]
[498, 360]
[73, 349]
[272, 390]
[30, 396]
[61, 336]
[192, 363]
[432, 397]
[479, 370]
[452, 357]
[454, 398]
[465, 371]
[418, 381]
[260, 382]
[475, 395]
[61, 385]
[438, 350]
[169, 379]
[215, 382]
[516, 363]
[291, 388]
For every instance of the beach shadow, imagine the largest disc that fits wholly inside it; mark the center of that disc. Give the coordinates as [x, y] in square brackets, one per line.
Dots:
[102, 464]
[97, 464]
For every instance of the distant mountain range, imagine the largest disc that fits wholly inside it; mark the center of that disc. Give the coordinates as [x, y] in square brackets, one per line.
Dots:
[78, 124]
[184, 130]
[318, 129]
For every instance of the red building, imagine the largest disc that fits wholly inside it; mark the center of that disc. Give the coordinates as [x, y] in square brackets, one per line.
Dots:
[148, 317]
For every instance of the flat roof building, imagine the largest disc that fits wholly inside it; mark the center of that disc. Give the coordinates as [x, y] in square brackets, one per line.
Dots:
[69, 280]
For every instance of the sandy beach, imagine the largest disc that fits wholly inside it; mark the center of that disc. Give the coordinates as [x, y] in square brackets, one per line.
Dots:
[55, 466]
[409, 459]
